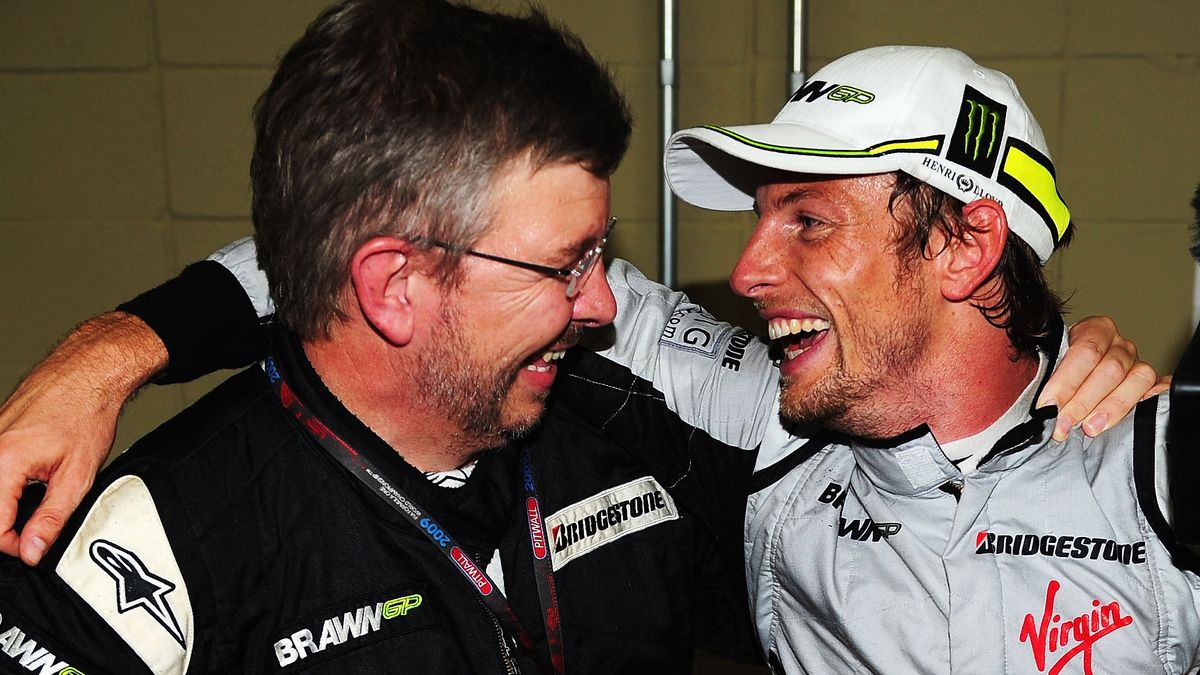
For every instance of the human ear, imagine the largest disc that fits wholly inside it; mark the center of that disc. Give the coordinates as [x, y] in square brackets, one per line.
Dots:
[380, 272]
[966, 263]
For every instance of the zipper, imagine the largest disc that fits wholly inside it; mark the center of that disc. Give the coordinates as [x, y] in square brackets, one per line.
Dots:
[506, 652]
[953, 488]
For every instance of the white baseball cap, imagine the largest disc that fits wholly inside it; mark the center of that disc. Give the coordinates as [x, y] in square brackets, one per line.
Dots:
[930, 112]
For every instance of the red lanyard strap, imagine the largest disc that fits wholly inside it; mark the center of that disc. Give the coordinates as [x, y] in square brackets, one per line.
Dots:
[543, 567]
[366, 472]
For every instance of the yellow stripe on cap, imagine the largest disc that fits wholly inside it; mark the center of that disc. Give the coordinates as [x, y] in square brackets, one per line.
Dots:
[931, 145]
[1039, 181]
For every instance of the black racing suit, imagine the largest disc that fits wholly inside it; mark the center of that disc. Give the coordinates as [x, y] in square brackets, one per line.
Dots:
[229, 541]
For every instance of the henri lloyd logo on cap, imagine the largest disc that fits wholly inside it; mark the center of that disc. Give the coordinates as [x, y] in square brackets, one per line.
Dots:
[604, 518]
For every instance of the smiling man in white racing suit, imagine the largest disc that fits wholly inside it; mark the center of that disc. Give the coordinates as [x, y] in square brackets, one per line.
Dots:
[938, 525]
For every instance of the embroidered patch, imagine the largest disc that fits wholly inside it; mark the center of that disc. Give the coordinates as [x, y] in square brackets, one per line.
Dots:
[606, 517]
[346, 626]
[692, 330]
[121, 563]
[137, 586]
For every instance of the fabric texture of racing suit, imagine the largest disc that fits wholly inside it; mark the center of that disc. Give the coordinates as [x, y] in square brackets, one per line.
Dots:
[227, 540]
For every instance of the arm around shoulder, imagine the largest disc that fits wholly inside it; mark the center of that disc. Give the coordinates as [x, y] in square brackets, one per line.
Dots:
[59, 423]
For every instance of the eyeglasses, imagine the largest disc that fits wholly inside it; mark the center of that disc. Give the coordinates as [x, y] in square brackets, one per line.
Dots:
[575, 273]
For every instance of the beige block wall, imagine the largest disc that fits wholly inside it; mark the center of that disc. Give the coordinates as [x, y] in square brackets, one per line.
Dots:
[125, 136]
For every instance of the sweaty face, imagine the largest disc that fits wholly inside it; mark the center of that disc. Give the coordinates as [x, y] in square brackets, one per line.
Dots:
[494, 348]
[850, 319]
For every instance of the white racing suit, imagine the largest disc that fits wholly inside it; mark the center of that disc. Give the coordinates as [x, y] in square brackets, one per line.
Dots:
[885, 558]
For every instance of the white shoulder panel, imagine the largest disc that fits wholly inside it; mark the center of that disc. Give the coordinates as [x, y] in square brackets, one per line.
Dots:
[241, 258]
[121, 564]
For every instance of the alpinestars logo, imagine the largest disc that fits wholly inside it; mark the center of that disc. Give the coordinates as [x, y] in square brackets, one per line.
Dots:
[15, 644]
[136, 585]
[978, 134]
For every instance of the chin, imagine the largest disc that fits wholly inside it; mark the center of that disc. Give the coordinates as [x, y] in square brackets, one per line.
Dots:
[812, 405]
[520, 417]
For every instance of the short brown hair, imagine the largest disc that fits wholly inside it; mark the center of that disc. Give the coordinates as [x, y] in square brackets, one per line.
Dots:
[395, 117]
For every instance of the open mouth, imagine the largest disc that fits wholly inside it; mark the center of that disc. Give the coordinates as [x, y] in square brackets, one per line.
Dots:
[796, 336]
[546, 362]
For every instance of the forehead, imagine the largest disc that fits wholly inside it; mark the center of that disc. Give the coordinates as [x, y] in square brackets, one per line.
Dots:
[782, 190]
[558, 203]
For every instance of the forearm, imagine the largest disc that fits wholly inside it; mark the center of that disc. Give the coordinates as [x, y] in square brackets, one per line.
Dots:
[59, 423]
[110, 355]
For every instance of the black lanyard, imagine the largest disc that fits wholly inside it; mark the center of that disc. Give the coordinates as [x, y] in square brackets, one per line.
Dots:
[489, 593]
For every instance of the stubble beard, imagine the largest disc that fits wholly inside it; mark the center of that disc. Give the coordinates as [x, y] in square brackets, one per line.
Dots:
[472, 395]
[463, 391]
[849, 402]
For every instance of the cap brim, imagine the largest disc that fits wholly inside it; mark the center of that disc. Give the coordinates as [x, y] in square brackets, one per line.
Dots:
[720, 168]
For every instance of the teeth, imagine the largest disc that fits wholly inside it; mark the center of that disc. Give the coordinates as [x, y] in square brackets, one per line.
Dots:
[547, 360]
[778, 328]
[789, 354]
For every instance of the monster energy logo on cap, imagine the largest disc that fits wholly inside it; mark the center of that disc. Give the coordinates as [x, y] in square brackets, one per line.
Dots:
[978, 133]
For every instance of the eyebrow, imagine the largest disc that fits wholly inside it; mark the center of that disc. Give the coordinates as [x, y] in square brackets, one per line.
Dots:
[577, 249]
[790, 197]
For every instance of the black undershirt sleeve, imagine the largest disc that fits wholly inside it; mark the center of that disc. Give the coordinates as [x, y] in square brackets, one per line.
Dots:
[205, 319]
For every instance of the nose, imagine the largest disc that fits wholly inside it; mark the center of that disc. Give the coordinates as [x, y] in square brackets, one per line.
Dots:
[757, 268]
[595, 305]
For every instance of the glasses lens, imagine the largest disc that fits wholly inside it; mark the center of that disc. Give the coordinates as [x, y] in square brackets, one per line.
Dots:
[580, 272]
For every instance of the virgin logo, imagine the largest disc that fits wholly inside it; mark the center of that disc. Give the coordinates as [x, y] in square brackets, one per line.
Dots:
[1072, 636]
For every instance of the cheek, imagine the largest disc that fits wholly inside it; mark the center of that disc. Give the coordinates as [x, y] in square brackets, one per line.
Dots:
[837, 276]
[534, 317]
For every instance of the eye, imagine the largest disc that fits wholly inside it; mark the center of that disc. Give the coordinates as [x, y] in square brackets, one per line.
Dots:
[805, 224]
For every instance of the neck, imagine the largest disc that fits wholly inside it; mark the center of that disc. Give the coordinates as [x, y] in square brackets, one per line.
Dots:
[368, 376]
[970, 379]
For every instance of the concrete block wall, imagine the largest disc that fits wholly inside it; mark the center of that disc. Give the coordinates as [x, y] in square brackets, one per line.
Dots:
[125, 139]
